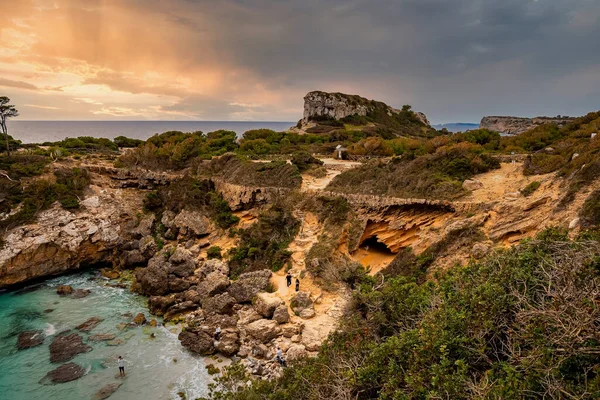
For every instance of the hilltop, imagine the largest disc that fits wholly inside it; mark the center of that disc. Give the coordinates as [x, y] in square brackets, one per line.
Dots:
[327, 112]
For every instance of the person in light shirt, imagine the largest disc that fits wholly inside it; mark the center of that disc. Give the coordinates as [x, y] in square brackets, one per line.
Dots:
[121, 364]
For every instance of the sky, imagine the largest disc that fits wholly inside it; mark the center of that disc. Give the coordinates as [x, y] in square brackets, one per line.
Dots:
[454, 60]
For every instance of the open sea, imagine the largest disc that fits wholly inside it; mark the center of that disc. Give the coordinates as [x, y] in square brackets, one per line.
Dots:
[52, 131]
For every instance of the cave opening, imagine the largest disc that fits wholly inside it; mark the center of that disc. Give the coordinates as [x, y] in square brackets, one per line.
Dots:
[373, 245]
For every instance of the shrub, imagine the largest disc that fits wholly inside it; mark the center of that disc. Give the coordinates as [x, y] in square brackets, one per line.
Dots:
[305, 161]
[529, 189]
[122, 141]
[213, 252]
[590, 212]
[264, 244]
[519, 324]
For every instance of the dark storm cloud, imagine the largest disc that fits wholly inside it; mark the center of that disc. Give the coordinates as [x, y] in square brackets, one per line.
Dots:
[431, 44]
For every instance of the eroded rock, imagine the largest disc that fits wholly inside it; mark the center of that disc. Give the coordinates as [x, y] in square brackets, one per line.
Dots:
[65, 347]
[29, 339]
[64, 373]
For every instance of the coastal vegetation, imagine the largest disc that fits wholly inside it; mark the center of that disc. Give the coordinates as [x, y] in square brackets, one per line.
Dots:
[521, 323]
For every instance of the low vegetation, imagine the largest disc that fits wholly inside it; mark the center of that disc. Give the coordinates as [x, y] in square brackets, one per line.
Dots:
[590, 212]
[194, 195]
[520, 324]
[264, 244]
[24, 199]
[436, 175]
[530, 189]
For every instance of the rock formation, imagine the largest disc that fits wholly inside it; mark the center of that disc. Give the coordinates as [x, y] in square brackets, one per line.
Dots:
[517, 125]
[64, 373]
[323, 105]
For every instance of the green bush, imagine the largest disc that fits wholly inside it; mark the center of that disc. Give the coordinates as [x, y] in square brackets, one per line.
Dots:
[590, 212]
[305, 161]
[529, 189]
[520, 324]
[122, 141]
[213, 252]
[264, 244]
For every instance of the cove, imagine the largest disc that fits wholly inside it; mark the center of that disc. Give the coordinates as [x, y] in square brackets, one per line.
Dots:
[157, 368]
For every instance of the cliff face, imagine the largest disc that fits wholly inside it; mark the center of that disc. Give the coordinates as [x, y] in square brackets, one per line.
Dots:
[517, 125]
[319, 104]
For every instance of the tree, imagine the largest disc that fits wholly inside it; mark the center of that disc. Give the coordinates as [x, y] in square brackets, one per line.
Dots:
[6, 111]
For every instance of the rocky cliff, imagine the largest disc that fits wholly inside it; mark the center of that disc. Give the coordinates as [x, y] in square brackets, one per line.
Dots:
[319, 105]
[517, 125]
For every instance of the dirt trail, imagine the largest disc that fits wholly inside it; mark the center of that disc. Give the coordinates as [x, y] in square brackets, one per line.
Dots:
[334, 167]
[328, 305]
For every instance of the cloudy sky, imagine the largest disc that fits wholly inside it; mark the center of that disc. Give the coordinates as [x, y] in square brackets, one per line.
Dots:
[455, 60]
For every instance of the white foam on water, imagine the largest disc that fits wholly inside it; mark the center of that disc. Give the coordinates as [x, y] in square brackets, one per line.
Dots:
[50, 330]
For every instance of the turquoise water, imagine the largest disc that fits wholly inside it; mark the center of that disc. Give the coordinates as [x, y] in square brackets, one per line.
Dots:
[157, 368]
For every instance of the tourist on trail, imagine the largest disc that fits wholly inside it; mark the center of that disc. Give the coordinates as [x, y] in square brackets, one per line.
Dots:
[297, 284]
[279, 358]
[288, 279]
[217, 334]
[121, 364]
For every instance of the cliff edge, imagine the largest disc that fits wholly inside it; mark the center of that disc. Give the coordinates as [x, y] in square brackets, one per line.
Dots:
[518, 125]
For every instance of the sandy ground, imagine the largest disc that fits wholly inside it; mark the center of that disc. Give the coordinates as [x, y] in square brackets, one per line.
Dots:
[328, 305]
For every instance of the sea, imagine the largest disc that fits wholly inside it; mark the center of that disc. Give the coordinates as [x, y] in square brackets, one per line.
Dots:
[157, 366]
[52, 131]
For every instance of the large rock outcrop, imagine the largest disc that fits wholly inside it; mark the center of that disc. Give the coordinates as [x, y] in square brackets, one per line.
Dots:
[320, 105]
[517, 125]
[60, 240]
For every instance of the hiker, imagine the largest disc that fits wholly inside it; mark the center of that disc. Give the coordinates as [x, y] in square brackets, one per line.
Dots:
[217, 335]
[297, 284]
[288, 279]
[121, 364]
[279, 358]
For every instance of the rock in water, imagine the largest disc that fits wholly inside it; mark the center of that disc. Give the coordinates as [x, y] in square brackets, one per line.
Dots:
[139, 319]
[29, 339]
[64, 290]
[101, 337]
[197, 342]
[64, 373]
[81, 293]
[90, 324]
[65, 347]
[107, 391]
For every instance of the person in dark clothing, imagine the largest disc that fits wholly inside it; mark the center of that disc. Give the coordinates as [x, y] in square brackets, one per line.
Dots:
[217, 334]
[297, 284]
[288, 279]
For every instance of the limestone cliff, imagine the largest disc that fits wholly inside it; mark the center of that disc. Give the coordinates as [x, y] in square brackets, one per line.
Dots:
[319, 105]
[517, 125]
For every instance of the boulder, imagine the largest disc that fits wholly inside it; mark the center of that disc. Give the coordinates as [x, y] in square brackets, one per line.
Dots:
[144, 228]
[181, 263]
[179, 308]
[295, 352]
[301, 301]
[247, 314]
[148, 247]
[139, 319]
[64, 290]
[101, 337]
[263, 330]
[158, 305]
[229, 342]
[29, 339]
[220, 304]
[480, 250]
[65, 347]
[249, 285]
[306, 313]
[281, 314]
[472, 184]
[153, 280]
[266, 303]
[64, 373]
[213, 284]
[90, 324]
[81, 293]
[177, 285]
[192, 223]
[133, 257]
[212, 265]
[106, 391]
[109, 273]
[197, 342]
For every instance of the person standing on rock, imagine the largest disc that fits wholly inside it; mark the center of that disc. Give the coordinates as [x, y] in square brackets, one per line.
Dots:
[121, 364]
[288, 279]
[217, 335]
[297, 284]
[279, 357]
